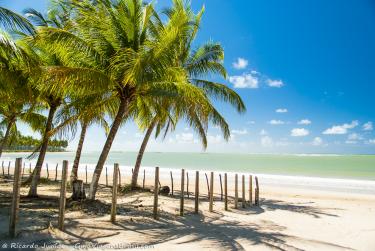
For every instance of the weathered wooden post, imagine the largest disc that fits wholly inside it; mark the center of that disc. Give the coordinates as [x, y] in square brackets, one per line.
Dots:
[251, 190]
[187, 184]
[114, 193]
[30, 168]
[2, 167]
[106, 176]
[156, 192]
[236, 191]
[196, 208]
[211, 192]
[23, 170]
[9, 168]
[86, 174]
[171, 182]
[15, 198]
[243, 192]
[225, 192]
[182, 192]
[119, 177]
[57, 165]
[47, 171]
[64, 176]
[144, 178]
[208, 186]
[256, 191]
[221, 188]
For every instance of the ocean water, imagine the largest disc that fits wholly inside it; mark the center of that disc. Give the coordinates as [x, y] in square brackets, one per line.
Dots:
[344, 173]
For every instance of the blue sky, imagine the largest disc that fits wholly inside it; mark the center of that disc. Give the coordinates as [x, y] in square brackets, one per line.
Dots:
[305, 70]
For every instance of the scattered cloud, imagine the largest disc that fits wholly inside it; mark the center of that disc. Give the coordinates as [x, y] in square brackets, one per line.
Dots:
[263, 132]
[239, 132]
[241, 63]
[367, 126]
[299, 132]
[214, 139]
[275, 83]
[266, 141]
[244, 81]
[254, 72]
[304, 122]
[371, 141]
[250, 122]
[341, 129]
[317, 141]
[276, 122]
[185, 137]
[281, 110]
[354, 136]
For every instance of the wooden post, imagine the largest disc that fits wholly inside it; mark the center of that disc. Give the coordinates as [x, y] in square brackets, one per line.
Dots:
[172, 182]
[114, 193]
[23, 170]
[225, 192]
[86, 173]
[187, 184]
[30, 168]
[256, 191]
[243, 192]
[64, 176]
[251, 190]
[47, 171]
[156, 193]
[15, 198]
[221, 188]
[2, 167]
[106, 176]
[119, 177]
[236, 191]
[57, 165]
[208, 186]
[196, 192]
[182, 192]
[144, 178]
[9, 168]
[211, 192]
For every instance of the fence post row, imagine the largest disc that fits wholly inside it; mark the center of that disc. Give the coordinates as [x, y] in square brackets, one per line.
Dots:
[16, 198]
[156, 192]
[63, 195]
[114, 193]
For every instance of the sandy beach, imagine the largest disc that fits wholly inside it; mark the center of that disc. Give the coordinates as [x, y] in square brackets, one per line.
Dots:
[287, 219]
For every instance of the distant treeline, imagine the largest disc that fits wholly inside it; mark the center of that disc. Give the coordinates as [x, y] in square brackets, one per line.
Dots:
[19, 142]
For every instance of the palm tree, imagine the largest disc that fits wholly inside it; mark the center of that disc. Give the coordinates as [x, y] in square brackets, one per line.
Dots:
[204, 61]
[12, 21]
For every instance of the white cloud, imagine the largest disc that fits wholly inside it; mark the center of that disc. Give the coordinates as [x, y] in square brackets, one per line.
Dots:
[266, 141]
[263, 132]
[317, 141]
[244, 81]
[281, 110]
[214, 139]
[304, 122]
[275, 83]
[354, 136]
[371, 141]
[241, 63]
[276, 122]
[367, 126]
[254, 72]
[240, 132]
[185, 137]
[341, 129]
[299, 132]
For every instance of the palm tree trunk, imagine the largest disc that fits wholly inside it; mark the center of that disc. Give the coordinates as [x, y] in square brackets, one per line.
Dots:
[6, 136]
[123, 110]
[140, 154]
[74, 173]
[35, 177]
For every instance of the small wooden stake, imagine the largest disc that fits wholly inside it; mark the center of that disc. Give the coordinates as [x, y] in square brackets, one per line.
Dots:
[86, 173]
[64, 176]
[236, 191]
[15, 198]
[182, 192]
[187, 184]
[47, 171]
[144, 178]
[221, 188]
[208, 186]
[156, 193]
[196, 192]
[9, 168]
[171, 182]
[2, 167]
[57, 165]
[225, 192]
[256, 191]
[106, 176]
[114, 193]
[251, 190]
[243, 192]
[23, 170]
[211, 192]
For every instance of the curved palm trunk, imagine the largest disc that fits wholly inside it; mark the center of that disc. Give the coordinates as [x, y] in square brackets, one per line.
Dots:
[107, 147]
[140, 154]
[35, 176]
[6, 136]
[74, 173]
